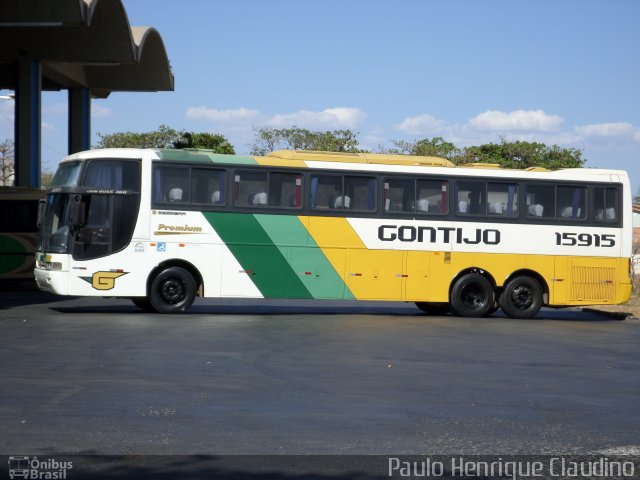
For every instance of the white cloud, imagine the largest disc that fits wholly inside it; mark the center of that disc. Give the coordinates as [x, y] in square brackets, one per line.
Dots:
[518, 120]
[421, 125]
[214, 115]
[608, 130]
[98, 111]
[339, 117]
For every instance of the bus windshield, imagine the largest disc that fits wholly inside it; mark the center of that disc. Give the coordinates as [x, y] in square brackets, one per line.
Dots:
[55, 226]
[67, 175]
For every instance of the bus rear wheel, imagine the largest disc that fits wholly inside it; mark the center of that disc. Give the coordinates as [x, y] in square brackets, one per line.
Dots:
[472, 296]
[521, 297]
[172, 291]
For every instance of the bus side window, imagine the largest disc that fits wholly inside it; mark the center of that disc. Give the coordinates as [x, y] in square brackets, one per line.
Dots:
[359, 194]
[571, 202]
[285, 190]
[250, 189]
[540, 201]
[325, 191]
[399, 195]
[502, 199]
[605, 204]
[471, 198]
[208, 186]
[432, 197]
[171, 185]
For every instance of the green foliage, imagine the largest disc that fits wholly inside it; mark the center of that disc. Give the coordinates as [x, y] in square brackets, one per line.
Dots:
[507, 154]
[270, 139]
[520, 154]
[434, 147]
[212, 141]
[46, 177]
[165, 137]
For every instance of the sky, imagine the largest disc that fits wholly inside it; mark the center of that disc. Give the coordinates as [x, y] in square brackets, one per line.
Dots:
[563, 72]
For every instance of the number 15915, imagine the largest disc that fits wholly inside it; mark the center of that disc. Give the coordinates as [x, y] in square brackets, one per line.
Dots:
[585, 239]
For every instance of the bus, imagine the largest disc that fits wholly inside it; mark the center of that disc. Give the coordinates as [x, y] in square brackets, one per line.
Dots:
[18, 231]
[163, 226]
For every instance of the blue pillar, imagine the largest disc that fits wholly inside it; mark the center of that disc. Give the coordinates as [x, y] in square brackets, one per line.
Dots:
[79, 119]
[27, 123]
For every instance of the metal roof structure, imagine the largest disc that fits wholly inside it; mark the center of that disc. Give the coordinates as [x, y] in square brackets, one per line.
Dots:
[86, 47]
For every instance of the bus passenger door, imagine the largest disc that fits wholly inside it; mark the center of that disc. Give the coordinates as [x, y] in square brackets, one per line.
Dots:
[417, 275]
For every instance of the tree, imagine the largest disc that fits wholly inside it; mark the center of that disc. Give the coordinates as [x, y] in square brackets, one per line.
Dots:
[520, 154]
[165, 137]
[212, 141]
[269, 139]
[45, 178]
[434, 147]
[7, 163]
[507, 154]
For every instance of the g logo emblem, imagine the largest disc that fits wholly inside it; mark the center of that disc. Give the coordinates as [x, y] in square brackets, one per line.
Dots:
[105, 280]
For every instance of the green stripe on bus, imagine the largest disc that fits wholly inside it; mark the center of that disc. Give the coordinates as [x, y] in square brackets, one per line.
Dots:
[304, 256]
[204, 156]
[266, 266]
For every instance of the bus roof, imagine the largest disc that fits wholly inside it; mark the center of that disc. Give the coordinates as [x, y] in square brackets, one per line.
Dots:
[373, 162]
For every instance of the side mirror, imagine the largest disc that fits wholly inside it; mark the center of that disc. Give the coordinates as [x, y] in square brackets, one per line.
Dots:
[78, 213]
[42, 203]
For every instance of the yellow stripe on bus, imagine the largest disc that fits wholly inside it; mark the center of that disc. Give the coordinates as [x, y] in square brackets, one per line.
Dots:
[413, 275]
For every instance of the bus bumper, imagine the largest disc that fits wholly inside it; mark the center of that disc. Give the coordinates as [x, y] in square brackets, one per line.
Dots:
[52, 281]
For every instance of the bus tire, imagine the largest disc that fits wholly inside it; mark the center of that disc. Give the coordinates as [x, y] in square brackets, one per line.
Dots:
[472, 296]
[172, 291]
[436, 309]
[521, 297]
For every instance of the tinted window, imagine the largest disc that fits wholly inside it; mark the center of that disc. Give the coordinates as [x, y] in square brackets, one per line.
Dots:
[325, 190]
[399, 195]
[471, 198]
[359, 193]
[605, 204]
[208, 186]
[250, 189]
[171, 185]
[432, 197]
[113, 174]
[540, 201]
[285, 190]
[502, 199]
[571, 202]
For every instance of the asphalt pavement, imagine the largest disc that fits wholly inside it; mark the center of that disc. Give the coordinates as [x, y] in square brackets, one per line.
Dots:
[99, 376]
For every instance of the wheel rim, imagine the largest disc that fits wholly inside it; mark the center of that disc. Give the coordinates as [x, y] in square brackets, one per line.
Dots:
[172, 291]
[522, 297]
[473, 296]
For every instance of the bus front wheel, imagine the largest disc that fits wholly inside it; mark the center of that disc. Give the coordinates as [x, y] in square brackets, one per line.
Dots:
[472, 296]
[172, 291]
[521, 297]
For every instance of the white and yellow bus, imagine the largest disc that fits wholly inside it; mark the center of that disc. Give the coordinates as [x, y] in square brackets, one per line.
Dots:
[164, 226]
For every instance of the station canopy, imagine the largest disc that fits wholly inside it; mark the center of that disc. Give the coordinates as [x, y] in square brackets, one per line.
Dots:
[82, 44]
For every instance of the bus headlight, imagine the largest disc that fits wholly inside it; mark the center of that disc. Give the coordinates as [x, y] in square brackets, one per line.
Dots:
[49, 265]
